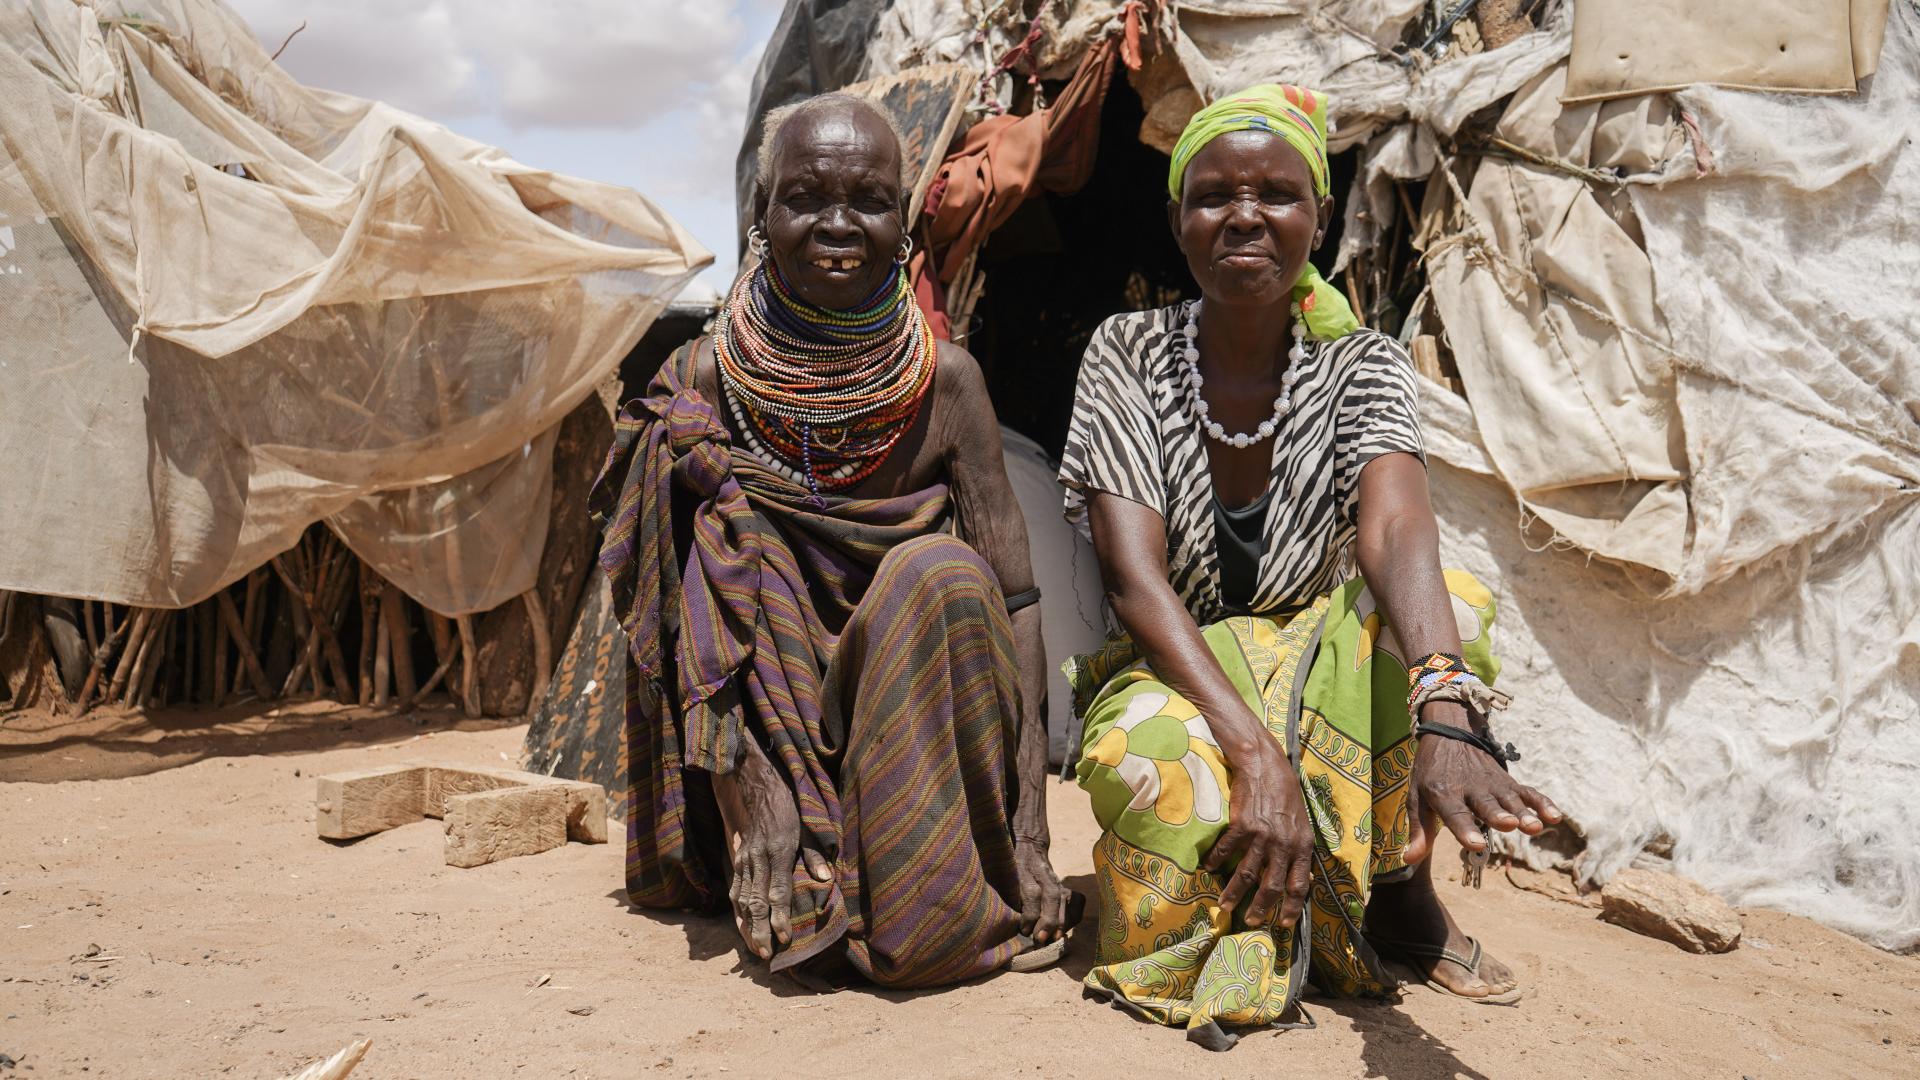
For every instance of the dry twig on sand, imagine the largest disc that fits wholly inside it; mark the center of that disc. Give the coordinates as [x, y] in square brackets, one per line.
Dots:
[337, 1066]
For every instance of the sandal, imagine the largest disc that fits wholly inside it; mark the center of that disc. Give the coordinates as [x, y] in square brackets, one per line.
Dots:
[1038, 957]
[1407, 951]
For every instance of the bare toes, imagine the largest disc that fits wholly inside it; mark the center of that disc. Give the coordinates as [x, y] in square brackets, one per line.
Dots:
[1459, 980]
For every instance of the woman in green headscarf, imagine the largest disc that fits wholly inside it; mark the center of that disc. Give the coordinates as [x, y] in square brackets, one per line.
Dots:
[1267, 797]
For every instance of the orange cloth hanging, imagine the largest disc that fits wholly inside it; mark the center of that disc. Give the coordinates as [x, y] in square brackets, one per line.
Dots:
[1003, 158]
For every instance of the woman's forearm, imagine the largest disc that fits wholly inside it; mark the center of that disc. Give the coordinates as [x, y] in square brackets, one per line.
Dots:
[1401, 562]
[1130, 541]
[1398, 550]
[1030, 754]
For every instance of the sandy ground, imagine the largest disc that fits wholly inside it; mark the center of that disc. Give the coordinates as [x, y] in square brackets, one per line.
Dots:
[243, 946]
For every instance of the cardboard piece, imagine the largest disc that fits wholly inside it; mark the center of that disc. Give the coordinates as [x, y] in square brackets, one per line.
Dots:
[1628, 47]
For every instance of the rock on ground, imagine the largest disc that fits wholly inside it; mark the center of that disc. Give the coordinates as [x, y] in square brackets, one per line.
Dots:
[1670, 908]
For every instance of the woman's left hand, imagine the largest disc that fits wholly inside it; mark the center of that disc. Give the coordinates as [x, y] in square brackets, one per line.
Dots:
[1459, 784]
[1043, 900]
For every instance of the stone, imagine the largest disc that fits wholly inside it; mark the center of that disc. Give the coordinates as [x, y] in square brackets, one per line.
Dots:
[1671, 908]
[586, 816]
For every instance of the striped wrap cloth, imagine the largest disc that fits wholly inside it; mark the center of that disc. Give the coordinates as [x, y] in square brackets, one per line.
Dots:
[861, 645]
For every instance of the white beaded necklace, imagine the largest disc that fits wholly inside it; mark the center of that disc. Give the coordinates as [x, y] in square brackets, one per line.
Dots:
[1190, 357]
[765, 455]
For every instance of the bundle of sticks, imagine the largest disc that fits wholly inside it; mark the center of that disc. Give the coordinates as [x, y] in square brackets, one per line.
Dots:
[286, 631]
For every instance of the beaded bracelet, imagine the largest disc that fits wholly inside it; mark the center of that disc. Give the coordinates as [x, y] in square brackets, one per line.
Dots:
[1435, 669]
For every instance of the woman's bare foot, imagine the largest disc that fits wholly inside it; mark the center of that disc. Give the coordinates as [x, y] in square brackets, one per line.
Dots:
[1411, 911]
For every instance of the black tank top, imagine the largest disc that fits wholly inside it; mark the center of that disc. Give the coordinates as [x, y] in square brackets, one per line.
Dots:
[1237, 536]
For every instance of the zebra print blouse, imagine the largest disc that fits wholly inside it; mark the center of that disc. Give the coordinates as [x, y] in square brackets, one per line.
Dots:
[1134, 435]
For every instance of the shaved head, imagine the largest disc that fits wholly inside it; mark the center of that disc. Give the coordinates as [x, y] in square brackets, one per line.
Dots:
[835, 106]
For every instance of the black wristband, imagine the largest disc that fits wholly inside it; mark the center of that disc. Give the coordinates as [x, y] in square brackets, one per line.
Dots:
[1484, 743]
[1023, 599]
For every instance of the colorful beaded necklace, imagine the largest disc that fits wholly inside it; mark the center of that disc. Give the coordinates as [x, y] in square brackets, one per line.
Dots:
[828, 392]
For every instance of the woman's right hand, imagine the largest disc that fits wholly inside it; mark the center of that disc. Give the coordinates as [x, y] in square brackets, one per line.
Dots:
[1268, 830]
[763, 843]
[1270, 833]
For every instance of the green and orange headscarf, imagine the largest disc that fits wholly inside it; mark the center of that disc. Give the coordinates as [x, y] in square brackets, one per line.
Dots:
[1299, 116]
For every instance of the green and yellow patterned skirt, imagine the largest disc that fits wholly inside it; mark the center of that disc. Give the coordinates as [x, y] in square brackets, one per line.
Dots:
[1332, 684]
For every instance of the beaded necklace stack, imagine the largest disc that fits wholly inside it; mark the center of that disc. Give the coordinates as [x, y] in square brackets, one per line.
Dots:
[822, 395]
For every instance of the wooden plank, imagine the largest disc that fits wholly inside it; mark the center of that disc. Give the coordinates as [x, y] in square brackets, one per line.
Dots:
[469, 669]
[487, 826]
[393, 611]
[586, 804]
[237, 630]
[1425, 350]
[368, 801]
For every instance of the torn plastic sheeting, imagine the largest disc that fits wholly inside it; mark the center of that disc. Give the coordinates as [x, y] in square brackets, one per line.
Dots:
[1799, 372]
[1648, 716]
[282, 305]
[1447, 93]
[1337, 48]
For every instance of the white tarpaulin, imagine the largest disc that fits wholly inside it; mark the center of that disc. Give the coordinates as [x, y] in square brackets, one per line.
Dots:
[1068, 576]
[231, 306]
[1757, 704]
[1531, 280]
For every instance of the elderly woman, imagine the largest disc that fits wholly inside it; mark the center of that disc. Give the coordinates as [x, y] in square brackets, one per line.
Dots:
[834, 715]
[1251, 746]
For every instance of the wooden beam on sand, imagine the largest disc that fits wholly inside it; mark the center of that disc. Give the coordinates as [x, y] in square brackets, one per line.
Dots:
[491, 814]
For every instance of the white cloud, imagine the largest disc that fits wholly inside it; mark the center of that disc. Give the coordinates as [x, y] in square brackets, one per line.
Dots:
[651, 94]
[604, 63]
[404, 54]
[613, 64]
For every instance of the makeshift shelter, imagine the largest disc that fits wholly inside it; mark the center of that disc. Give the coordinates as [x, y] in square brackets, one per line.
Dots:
[232, 307]
[1663, 302]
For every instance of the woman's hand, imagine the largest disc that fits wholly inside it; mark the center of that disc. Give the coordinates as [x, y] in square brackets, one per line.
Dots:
[1269, 832]
[1457, 783]
[763, 843]
[1043, 900]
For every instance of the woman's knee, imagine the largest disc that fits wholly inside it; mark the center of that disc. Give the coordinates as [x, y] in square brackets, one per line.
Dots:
[937, 558]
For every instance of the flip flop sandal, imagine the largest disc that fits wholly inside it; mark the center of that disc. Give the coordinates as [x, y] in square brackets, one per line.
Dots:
[1032, 957]
[1035, 956]
[1406, 951]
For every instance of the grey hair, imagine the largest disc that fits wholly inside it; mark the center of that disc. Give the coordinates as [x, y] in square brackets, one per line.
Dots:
[777, 119]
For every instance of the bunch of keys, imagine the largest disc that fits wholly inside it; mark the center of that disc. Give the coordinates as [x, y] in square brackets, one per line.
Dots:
[1472, 862]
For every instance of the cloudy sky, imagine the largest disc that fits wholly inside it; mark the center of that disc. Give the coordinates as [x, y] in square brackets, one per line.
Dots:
[651, 94]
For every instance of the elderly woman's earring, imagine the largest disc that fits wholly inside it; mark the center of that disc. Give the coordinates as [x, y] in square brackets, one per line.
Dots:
[906, 251]
[757, 242]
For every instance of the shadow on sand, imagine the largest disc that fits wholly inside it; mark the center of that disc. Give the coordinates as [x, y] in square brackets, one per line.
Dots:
[110, 744]
[1393, 1044]
[713, 935]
